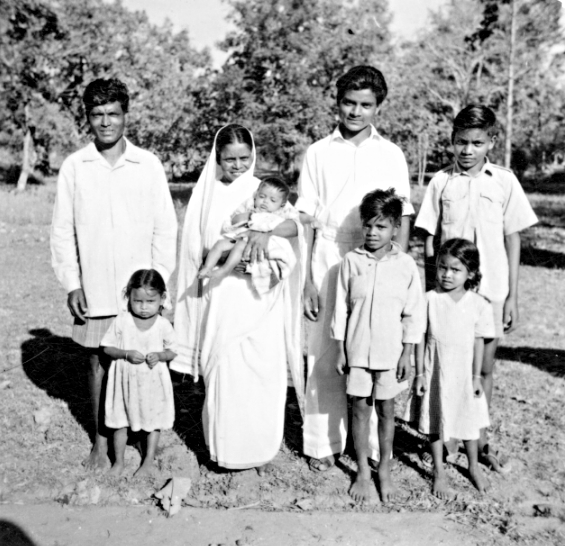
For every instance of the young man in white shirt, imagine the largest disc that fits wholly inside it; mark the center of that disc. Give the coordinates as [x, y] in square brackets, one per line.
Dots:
[337, 172]
[113, 215]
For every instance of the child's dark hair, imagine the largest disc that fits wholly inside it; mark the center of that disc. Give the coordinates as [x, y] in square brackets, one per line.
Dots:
[232, 134]
[382, 203]
[146, 278]
[362, 77]
[468, 254]
[101, 91]
[475, 116]
[280, 185]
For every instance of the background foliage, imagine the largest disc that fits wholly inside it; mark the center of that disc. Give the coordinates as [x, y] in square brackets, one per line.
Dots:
[279, 77]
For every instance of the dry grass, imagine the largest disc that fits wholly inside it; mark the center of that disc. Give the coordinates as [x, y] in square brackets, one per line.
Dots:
[41, 368]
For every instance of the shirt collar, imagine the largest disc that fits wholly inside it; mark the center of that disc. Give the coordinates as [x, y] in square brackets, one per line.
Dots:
[393, 252]
[336, 135]
[486, 169]
[130, 154]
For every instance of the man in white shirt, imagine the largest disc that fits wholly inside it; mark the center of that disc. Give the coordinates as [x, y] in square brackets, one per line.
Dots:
[113, 215]
[337, 172]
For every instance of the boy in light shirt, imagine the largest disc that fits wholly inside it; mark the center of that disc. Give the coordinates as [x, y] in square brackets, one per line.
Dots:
[484, 203]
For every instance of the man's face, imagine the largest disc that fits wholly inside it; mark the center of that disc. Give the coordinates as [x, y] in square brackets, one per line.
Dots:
[356, 111]
[107, 122]
[470, 147]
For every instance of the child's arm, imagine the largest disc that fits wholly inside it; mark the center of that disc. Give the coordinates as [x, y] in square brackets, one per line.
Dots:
[306, 219]
[510, 317]
[132, 356]
[478, 353]
[403, 368]
[163, 356]
[311, 302]
[419, 381]
[403, 235]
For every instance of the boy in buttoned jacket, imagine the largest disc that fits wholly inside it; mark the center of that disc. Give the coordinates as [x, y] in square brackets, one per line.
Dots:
[477, 200]
[379, 315]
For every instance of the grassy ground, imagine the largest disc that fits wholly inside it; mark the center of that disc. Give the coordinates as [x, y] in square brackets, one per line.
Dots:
[45, 413]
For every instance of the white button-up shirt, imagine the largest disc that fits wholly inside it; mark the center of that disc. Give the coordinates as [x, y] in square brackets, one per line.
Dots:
[110, 221]
[379, 306]
[483, 209]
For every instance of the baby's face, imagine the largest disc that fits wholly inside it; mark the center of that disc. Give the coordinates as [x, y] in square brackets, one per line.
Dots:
[268, 199]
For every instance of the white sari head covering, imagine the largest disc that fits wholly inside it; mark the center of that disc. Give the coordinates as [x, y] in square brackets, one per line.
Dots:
[210, 204]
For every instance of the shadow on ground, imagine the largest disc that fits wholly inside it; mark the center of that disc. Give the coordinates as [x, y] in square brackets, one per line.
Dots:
[538, 257]
[12, 535]
[548, 360]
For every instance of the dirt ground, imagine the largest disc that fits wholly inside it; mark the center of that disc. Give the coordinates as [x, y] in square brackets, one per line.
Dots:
[47, 499]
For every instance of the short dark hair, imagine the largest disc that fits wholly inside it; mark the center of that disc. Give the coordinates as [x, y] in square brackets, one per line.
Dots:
[101, 91]
[277, 183]
[363, 77]
[232, 134]
[146, 278]
[468, 254]
[474, 116]
[382, 203]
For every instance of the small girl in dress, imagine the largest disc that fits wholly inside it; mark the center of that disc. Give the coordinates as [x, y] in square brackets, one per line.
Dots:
[448, 361]
[139, 394]
[268, 208]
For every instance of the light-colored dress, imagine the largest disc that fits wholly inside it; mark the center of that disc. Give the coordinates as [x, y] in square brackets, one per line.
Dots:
[136, 396]
[449, 406]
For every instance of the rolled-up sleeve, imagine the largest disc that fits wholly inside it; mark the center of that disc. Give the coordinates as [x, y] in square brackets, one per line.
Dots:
[64, 249]
[429, 214]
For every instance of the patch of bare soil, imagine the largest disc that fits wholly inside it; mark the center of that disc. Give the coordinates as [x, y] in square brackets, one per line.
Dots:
[45, 418]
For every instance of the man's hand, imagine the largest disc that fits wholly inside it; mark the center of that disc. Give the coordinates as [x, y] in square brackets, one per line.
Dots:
[77, 304]
[510, 315]
[420, 385]
[257, 247]
[342, 360]
[311, 301]
[477, 386]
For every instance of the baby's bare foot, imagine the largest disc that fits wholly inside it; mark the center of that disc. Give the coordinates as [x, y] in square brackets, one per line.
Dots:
[117, 470]
[361, 489]
[477, 479]
[389, 493]
[204, 273]
[97, 459]
[440, 488]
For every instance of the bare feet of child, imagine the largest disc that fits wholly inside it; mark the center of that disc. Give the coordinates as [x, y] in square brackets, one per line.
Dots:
[98, 459]
[389, 493]
[440, 488]
[117, 470]
[361, 489]
[147, 469]
[265, 469]
[477, 479]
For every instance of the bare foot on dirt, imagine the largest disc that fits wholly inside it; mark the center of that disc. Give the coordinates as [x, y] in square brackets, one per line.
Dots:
[361, 489]
[440, 488]
[147, 469]
[389, 493]
[98, 459]
[117, 470]
[265, 469]
[321, 465]
[477, 479]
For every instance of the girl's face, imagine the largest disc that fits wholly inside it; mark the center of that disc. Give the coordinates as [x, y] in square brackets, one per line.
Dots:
[451, 274]
[235, 159]
[145, 302]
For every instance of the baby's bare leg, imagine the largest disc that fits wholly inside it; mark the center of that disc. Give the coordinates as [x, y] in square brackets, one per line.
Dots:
[148, 466]
[232, 260]
[214, 256]
[120, 440]
[361, 489]
[440, 488]
[475, 474]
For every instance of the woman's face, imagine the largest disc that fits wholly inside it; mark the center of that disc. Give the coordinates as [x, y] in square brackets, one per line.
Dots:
[235, 159]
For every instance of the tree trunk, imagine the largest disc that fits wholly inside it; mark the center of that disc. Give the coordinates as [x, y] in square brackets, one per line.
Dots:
[27, 163]
[510, 98]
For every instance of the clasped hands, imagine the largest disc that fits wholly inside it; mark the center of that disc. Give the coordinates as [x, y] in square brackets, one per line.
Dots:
[135, 357]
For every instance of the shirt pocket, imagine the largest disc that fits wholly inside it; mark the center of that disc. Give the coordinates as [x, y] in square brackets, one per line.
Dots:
[454, 207]
[491, 206]
[358, 287]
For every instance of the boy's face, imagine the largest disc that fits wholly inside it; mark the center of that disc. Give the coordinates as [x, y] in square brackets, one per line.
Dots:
[268, 199]
[108, 122]
[378, 233]
[470, 147]
[356, 112]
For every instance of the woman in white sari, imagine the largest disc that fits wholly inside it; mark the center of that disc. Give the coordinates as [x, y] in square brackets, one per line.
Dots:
[241, 342]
